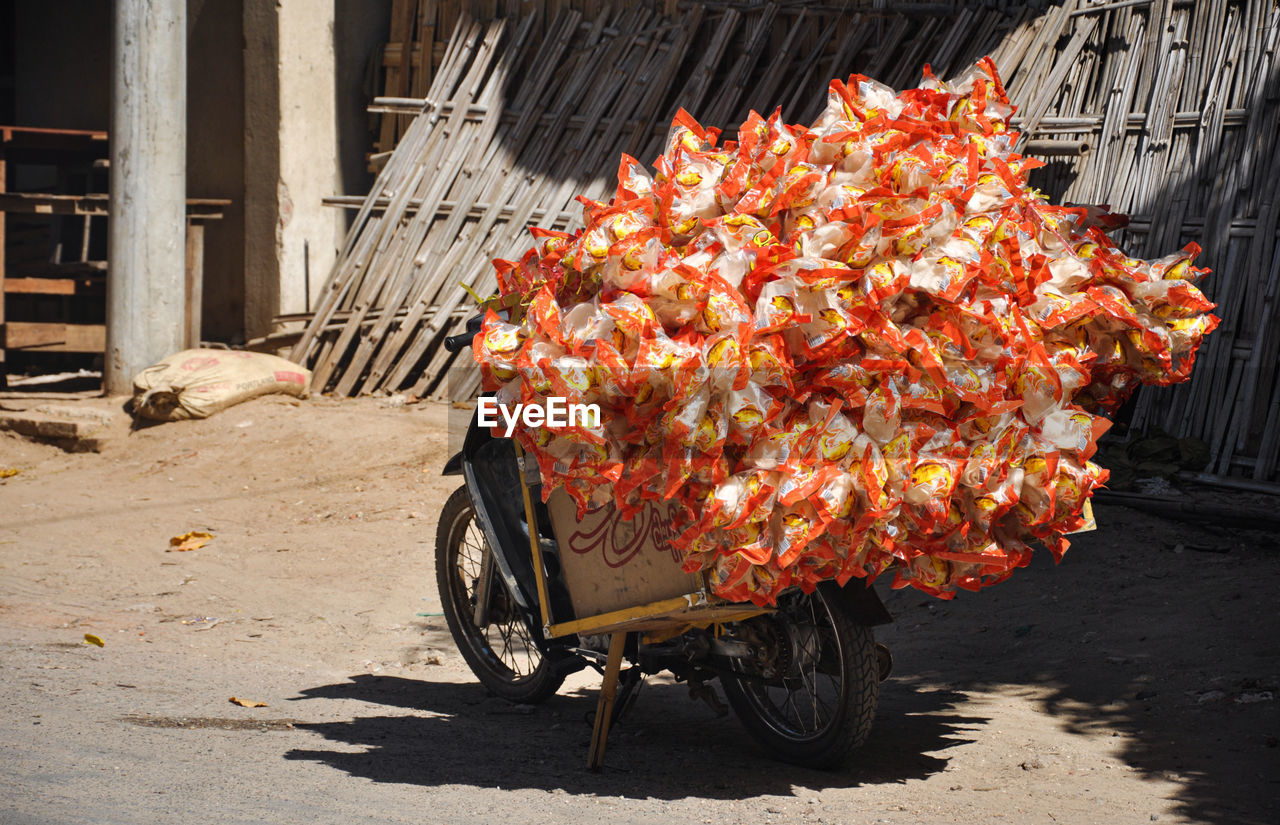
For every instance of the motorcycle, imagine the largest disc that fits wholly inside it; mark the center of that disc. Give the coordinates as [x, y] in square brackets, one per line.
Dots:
[803, 677]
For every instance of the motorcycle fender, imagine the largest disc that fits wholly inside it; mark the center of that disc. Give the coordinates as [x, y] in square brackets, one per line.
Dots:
[453, 467]
[865, 603]
[503, 528]
[491, 536]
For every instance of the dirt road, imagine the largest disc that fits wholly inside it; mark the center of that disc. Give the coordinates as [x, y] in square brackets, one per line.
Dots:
[1135, 682]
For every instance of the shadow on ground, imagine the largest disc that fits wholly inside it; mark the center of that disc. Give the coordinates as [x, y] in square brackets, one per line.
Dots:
[1160, 637]
[469, 738]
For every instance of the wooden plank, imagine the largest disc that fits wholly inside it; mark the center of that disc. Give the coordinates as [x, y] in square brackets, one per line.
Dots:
[403, 31]
[53, 337]
[52, 286]
[23, 335]
[193, 283]
[42, 137]
[49, 204]
[422, 70]
[43, 203]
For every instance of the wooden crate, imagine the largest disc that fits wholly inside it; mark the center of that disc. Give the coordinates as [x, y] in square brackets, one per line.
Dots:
[610, 563]
[624, 575]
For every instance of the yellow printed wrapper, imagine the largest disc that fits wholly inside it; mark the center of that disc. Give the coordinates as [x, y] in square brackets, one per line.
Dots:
[858, 347]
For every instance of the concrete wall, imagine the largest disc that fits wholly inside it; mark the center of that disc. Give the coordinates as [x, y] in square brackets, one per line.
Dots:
[308, 233]
[305, 138]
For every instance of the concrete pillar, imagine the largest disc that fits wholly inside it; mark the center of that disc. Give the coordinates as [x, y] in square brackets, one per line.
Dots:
[291, 157]
[146, 241]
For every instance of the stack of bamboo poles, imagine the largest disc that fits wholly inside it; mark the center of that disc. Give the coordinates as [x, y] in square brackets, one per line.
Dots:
[419, 35]
[1178, 103]
[520, 119]
[1164, 109]
[420, 30]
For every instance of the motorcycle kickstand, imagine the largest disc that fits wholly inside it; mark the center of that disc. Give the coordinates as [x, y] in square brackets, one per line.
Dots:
[699, 690]
[604, 708]
[629, 683]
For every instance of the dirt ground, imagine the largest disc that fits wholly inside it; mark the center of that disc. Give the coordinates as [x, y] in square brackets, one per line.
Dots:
[1135, 682]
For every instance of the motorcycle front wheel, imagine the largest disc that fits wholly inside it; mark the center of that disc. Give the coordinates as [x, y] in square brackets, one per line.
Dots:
[809, 694]
[502, 654]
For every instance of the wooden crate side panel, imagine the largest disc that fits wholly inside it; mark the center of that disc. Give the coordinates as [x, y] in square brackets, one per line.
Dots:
[610, 563]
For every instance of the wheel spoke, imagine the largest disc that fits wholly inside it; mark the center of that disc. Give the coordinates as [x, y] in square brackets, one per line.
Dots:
[804, 705]
[791, 703]
[506, 644]
[820, 709]
[505, 632]
[809, 689]
[527, 643]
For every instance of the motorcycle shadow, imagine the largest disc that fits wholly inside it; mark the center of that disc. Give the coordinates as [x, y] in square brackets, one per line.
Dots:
[666, 747]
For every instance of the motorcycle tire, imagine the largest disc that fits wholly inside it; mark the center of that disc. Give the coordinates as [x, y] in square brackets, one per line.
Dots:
[502, 654]
[817, 713]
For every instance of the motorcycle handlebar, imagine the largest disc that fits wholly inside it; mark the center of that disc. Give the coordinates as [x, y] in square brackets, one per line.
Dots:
[459, 342]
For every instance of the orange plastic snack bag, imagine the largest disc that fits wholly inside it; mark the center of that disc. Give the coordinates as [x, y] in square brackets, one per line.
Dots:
[851, 348]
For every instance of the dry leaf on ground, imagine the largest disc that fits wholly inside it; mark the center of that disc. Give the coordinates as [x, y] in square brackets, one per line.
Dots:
[193, 540]
[247, 703]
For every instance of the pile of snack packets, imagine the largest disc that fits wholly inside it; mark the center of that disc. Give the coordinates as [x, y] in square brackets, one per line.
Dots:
[861, 346]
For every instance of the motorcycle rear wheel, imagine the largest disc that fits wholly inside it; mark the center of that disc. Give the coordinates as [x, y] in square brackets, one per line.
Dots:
[817, 705]
[502, 654]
